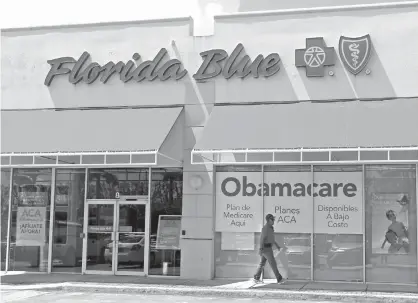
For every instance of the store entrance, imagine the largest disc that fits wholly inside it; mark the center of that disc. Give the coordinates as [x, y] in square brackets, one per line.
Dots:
[114, 237]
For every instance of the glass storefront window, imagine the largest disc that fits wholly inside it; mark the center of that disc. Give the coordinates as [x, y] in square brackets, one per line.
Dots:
[131, 238]
[29, 236]
[338, 223]
[68, 220]
[105, 183]
[391, 223]
[236, 254]
[165, 229]
[5, 193]
[295, 262]
[99, 237]
[338, 257]
[237, 239]
[358, 221]
[293, 225]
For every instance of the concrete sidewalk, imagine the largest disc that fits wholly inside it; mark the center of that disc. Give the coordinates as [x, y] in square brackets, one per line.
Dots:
[295, 290]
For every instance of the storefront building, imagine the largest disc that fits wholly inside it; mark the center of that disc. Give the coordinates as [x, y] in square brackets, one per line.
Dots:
[140, 149]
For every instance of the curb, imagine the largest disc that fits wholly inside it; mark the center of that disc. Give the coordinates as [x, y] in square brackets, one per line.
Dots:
[217, 292]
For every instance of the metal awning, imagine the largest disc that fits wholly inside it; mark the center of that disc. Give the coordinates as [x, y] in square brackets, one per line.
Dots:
[307, 132]
[107, 137]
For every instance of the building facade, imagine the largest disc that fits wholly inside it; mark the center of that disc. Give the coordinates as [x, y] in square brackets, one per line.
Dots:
[139, 149]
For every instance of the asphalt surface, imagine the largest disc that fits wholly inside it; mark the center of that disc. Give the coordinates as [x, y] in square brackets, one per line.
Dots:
[78, 297]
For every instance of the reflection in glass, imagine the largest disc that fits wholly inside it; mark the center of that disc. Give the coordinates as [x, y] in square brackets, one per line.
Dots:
[131, 218]
[100, 217]
[131, 248]
[99, 251]
[99, 237]
[338, 257]
[31, 200]
[68, 220]
[295, 262]
[105, 183]
[239, 168]
[131, 240]
[5, 160]
[5, 192]
[236, 263]
[391, 223]
[166, 199]
[338, 244]
[93, 159]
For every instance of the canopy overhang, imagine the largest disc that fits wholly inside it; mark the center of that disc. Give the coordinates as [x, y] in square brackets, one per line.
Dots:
[343, 132]
[307, 156]
[109, 137]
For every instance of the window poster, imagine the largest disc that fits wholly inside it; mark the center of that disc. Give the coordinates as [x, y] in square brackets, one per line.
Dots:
[288, 196]
[31, 227]
[390, 222]
[239, 202]
[338, 203]
[332, 203]
[391, 211]
[33, 195]
[168, 232]
[237, 241]
[62, 193]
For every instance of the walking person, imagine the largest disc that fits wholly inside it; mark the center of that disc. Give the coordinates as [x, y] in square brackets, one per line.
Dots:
[266, 250]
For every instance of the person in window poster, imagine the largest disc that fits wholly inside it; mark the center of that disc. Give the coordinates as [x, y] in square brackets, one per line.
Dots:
[396, 235]
[403, 213]
[267, 241]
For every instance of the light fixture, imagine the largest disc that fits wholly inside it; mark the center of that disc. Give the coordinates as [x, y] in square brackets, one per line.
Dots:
[196, 182]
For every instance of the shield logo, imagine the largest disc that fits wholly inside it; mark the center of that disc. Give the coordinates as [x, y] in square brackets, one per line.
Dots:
[355, 52]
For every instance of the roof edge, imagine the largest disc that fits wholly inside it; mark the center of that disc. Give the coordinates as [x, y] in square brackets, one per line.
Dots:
[188, 19]
[325, 9]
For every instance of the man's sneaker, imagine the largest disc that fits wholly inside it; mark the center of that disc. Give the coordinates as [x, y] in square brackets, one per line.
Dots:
[257, 280]
[281, 280]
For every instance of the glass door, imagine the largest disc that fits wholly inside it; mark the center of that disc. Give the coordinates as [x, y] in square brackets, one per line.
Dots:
[131, 254]
[99, 237]
[115, 237]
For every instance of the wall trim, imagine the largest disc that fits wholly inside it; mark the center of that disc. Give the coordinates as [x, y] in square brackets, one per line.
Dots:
[324, 9]
[186, 19]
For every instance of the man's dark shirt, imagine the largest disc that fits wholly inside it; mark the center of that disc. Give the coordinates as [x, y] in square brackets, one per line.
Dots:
[267, 235]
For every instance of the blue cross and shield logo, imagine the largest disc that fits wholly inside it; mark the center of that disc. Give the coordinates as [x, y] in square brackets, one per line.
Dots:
[355, 52]
[315, 57]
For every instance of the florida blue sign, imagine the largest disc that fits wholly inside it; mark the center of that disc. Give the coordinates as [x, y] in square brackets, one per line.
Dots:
[315, 57]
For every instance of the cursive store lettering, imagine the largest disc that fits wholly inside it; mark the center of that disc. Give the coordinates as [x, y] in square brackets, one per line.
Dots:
[146, 70]
[243, 67]
[215, 62]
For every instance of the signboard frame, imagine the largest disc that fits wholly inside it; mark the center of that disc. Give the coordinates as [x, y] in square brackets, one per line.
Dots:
[160, 231]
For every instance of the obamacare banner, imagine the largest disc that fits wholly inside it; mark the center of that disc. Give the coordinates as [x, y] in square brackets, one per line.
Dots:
[331, 203]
